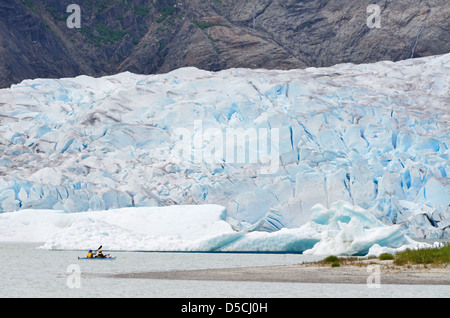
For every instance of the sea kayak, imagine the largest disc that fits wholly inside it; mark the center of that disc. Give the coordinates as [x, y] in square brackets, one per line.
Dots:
[97, 258]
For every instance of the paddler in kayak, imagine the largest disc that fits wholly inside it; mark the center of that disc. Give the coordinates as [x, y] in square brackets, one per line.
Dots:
[90, 255]
[100, 254]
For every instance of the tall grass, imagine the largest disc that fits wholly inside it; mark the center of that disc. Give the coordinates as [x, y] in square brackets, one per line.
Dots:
[432, 256]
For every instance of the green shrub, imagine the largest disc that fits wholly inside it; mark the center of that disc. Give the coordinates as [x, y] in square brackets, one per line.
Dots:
[386, 256]
[206, 25]
[165, 13]
[335, 264]
[331, 259]
[108, 35]
[141, 11]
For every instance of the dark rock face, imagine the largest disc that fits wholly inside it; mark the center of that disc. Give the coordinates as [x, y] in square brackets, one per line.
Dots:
[146, 36]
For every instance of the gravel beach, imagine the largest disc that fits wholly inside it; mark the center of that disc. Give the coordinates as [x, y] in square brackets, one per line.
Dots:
[312, 273]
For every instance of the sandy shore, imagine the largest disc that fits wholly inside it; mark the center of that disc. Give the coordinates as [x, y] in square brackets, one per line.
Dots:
[312, 273]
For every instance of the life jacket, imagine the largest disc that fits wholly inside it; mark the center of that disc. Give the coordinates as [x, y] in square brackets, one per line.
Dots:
[89, 255]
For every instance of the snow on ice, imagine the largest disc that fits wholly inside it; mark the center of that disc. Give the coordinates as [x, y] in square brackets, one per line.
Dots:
[273, 149]
[342, 230]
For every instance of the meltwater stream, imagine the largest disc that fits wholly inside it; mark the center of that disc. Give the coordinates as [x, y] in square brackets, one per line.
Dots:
[26, 271]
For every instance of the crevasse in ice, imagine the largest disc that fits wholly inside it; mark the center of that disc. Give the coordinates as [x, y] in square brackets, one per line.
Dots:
[267, 145]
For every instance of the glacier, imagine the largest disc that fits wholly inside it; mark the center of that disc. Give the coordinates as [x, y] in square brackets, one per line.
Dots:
[342, 230]
[268, 146]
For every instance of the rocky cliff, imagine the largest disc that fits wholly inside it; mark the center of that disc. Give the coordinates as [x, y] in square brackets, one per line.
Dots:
[145, 36]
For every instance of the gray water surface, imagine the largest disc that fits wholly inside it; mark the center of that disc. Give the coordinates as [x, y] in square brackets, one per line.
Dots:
[26, 271]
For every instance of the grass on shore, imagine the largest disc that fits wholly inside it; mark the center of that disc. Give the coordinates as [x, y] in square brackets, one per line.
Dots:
[426, 256]
[438, 256]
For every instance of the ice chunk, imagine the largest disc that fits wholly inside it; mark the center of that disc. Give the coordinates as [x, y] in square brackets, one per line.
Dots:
[350, 230]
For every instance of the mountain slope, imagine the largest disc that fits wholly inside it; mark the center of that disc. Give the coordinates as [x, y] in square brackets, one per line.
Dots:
[147, 37]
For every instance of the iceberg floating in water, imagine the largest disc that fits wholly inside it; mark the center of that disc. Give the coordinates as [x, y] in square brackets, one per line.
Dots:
[340, 230]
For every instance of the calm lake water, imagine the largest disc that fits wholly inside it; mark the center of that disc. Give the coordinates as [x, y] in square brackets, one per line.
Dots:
[26, 271]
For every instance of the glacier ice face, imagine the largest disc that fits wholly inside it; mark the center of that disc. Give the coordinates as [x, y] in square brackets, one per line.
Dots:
[375, 136]
[341, 230]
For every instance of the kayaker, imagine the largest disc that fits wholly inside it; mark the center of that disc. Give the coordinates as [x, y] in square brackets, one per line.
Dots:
[100, 254]
[90, 254]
